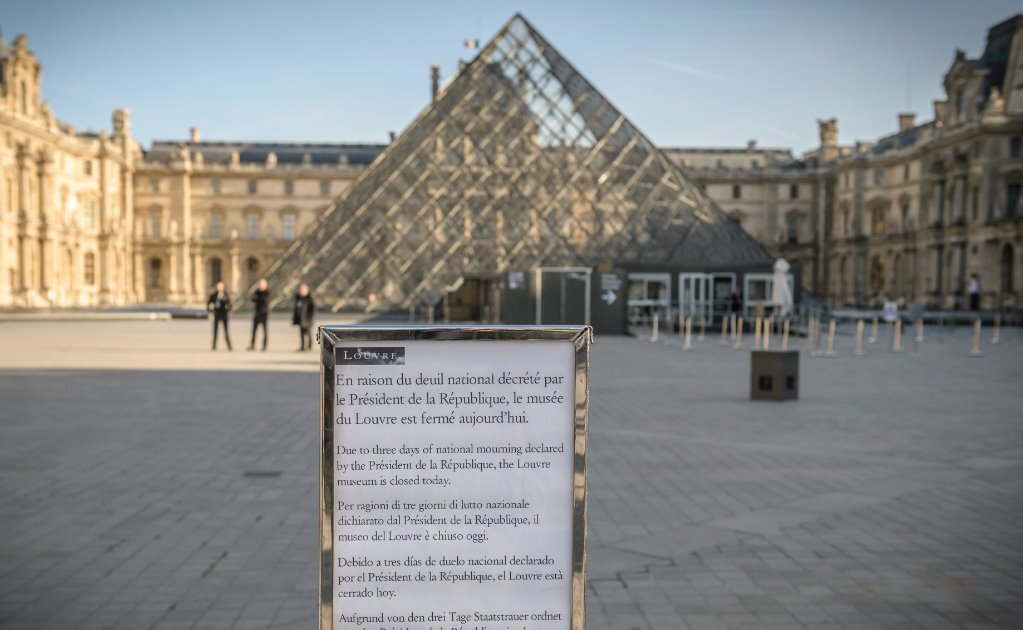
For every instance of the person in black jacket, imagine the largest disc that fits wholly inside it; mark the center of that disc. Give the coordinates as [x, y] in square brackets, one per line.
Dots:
[219, 304]
[303, 316]
[261, 310]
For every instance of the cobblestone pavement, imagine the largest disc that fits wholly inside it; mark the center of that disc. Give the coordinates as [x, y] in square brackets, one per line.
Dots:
[176, 488]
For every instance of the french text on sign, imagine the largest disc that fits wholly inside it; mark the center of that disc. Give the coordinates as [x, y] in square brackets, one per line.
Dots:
[453, 498]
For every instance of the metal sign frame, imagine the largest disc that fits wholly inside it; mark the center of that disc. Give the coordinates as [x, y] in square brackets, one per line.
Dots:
[331, 336]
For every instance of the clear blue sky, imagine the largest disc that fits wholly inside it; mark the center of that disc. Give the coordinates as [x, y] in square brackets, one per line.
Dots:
[687, 73]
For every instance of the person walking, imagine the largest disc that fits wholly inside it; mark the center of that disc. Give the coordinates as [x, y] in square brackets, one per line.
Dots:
[974, 291]
[303, 316]
[261, 311]
[220, 305]
[735, 304]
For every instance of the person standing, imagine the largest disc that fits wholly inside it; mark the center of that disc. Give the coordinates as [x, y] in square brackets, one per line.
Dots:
[261, 311]
[735, 306]
[303, 316]
[220, 305]
[974, 291]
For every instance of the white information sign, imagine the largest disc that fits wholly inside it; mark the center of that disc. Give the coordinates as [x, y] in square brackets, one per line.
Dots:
[453, 484]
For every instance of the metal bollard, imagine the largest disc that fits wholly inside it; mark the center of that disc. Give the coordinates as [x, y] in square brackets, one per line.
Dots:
[975, 351]
[725, 320]
[831, 339]
[920, 330]
[758, 324]
[859, 338]
[689, 334]
[738, 333]
[897, 339]
[703, 328]
[657, 319]
[785, 335]
[997, 334]
[873, 330]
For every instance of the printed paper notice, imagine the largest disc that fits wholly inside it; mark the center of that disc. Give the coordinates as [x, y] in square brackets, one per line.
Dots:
[453, 485]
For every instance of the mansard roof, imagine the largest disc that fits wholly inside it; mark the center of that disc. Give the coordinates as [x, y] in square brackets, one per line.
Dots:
[257, 152]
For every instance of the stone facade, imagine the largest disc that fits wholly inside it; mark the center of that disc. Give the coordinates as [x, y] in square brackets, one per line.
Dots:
[908, 217]
[771, 194]
[919, 212]
[90, 219]
[209, 211]
[66, 204]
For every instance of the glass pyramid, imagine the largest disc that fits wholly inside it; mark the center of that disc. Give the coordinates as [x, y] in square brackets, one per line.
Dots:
[519, 162]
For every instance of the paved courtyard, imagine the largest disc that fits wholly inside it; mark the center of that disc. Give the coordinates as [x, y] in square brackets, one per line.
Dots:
[146, 482]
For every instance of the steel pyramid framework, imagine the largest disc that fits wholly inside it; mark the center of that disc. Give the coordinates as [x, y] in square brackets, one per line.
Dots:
[519, 162]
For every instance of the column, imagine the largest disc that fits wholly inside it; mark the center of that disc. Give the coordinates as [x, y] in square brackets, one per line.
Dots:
[961, 197]
[172, 276]
[139, 273]
[199, 288]
[235, 270]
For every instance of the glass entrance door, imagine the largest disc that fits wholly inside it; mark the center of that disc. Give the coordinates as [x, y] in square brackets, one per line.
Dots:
[649, 296]
[694, 298]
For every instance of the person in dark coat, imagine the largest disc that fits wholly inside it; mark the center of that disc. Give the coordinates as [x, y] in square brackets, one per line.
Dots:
[220, 305]
[736, 303]
[261, 311]
[303, 316]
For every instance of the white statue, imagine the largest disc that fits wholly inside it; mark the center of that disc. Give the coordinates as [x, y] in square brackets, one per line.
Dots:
[781, 294]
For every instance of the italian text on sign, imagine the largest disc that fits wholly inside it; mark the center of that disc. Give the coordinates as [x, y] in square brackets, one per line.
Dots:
[453, 481]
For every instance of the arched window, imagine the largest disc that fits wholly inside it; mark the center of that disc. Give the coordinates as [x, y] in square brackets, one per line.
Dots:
[89, 266]
[288, 226]
[792, 228]
[88, 214]
[251, 225]
[877, 219]
[1012, 197]
[155, 273]
[877, 274]
[216, 270]
[155, 223]
[216, 225]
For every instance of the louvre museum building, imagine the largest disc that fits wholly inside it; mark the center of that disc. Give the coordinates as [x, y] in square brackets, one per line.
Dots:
[518, 194]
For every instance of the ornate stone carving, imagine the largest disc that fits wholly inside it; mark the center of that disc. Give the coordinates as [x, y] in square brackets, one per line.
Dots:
[122, 122]
[995, 101]
[828, 131]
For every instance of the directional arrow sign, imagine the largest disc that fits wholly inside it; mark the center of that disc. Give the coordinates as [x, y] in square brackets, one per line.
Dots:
[610, 297]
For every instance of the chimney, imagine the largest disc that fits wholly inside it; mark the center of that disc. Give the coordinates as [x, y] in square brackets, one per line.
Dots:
[434, 81]
[751, 145]
[939, 113]
[907, 120]
[194, 134]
